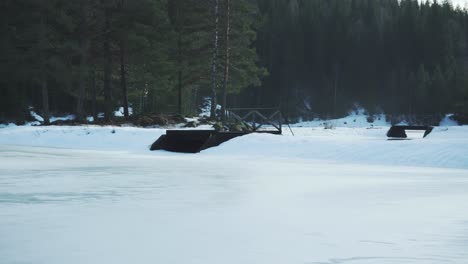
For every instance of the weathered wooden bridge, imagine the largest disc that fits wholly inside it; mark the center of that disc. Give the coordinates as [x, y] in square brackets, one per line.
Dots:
[238, 122]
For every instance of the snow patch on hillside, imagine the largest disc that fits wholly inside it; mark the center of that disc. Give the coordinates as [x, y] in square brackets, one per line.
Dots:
[355, 119]
[36, 116]
[448, 121]
[120, 111]
[205, 110]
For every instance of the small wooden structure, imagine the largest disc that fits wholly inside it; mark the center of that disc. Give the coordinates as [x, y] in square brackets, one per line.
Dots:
[239, 122]
[401, 132]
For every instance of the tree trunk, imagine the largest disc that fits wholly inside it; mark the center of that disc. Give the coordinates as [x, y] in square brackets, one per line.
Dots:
[107, 68]
[94, 94]
[194, 103]
[123, 79]
[179, 74]
[45, 100]
[226, 63]
[43, 72]
[335, 88]
[83, 61]
[123, 73]
[214, 61]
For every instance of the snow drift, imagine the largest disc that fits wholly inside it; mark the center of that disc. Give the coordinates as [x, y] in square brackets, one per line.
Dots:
[444, 147]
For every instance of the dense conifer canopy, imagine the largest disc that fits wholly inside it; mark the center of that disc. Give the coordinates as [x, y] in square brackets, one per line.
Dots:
[311, 58]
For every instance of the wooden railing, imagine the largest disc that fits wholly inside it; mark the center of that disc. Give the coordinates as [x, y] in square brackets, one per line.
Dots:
[256, 119]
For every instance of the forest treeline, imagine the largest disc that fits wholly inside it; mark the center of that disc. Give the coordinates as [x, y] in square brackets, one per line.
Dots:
[309, 57]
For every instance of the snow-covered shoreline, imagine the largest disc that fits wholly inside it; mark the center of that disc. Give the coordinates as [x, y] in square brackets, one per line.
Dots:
[446, 147]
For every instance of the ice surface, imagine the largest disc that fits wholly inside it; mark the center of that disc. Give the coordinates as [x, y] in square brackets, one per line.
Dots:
[97, 195]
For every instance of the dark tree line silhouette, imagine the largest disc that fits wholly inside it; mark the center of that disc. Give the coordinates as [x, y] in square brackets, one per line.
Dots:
[311, 58]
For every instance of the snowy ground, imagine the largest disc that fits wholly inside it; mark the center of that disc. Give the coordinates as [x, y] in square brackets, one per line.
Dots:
[97, 195]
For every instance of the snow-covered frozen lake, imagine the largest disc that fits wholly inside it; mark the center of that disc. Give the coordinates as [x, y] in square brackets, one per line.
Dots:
[93, 195]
